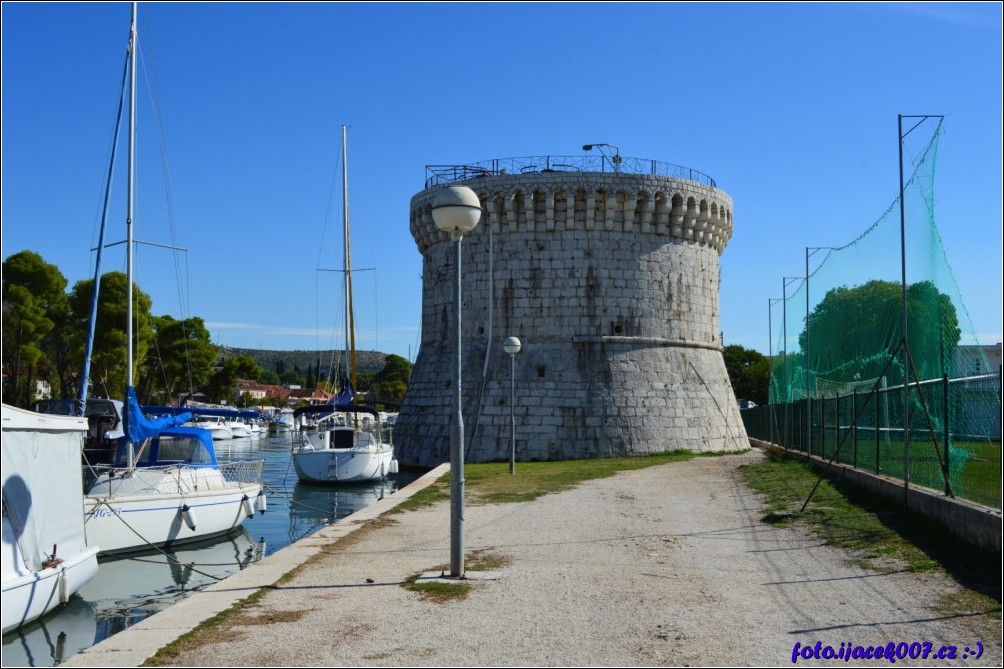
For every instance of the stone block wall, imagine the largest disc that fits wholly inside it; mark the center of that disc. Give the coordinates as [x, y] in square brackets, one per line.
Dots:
[611, 283]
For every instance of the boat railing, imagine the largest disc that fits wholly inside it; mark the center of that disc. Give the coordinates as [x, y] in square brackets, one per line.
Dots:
[242, 471]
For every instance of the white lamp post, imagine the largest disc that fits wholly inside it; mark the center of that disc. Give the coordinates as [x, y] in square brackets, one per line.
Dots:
[511, 345]
[456, 210]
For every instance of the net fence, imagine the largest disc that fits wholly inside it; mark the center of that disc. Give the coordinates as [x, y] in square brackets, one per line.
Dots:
[842, 359]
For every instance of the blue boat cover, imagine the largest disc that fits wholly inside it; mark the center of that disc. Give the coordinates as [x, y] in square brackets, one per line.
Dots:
[138, 428]
[345, 394]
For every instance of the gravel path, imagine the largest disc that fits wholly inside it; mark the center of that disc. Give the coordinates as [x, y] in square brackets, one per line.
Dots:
[668, 565]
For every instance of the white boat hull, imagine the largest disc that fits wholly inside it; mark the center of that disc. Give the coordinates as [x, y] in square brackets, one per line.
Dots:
[240, 431]
[221, 433]
[45, 557]
[336, 465]
[140, 522]
[164, 506]
[34, 593]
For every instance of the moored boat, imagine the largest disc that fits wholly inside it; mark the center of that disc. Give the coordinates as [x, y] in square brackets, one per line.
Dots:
[333, 450]
[216, 426]
[173, 491]
[165, 485]
[343, 453]
[45, 554]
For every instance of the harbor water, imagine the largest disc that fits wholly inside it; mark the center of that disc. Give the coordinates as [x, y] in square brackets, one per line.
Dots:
[130, 588]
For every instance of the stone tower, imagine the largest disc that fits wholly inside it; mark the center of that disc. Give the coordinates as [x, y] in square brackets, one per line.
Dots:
[608, 273]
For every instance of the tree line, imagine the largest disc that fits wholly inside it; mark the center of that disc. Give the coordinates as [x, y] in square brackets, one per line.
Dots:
[45, 331]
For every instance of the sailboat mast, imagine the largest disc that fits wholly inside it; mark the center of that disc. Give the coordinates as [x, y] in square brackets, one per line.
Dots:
[350, 344]
[129, 205]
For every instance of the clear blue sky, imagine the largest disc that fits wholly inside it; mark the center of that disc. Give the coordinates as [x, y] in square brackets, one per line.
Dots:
[791, 108]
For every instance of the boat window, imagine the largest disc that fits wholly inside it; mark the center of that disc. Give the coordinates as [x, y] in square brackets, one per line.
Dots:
[183, 449]
[122, 452]
[98, 408]
[344, 438]
[60, 407]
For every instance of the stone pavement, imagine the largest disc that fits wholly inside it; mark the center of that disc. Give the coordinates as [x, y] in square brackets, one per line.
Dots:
[668, 565]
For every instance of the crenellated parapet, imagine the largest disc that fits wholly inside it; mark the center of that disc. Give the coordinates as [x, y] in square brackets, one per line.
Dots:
[590, 202]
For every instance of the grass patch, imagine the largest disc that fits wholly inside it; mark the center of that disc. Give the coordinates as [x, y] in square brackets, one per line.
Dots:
[491, 483]
[484, 560]
[438, 591]
[880, 534]
[438, 491]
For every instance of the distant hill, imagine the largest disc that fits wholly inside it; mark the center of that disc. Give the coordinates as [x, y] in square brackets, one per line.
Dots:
[367, 362]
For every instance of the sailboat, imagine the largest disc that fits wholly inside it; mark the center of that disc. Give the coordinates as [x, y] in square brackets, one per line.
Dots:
[165, 485]
[348, 442]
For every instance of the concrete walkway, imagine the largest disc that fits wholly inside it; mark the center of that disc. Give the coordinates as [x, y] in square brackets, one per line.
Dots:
[668, 565]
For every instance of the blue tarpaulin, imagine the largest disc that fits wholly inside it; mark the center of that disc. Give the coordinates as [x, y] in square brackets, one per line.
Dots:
[138, 428]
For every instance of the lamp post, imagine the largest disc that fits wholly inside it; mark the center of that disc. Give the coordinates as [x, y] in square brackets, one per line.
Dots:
[615, 159]
[456, 210]
[511, 345]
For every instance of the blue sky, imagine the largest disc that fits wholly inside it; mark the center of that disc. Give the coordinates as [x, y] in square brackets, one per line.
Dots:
[790, 107]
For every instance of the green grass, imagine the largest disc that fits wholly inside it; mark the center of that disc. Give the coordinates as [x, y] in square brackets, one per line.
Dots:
[491, 483]
[974, 466]
[878, 533]
[438, 591]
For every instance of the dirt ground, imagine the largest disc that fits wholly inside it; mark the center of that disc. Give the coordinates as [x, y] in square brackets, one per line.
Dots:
[669, 565]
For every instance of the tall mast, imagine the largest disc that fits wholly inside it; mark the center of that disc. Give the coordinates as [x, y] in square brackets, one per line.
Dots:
[129, 206]
[350, 344]
[133, 47]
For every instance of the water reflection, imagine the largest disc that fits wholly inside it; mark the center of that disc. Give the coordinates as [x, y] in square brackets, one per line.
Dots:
[312, 507]
[131, 588]
[54, 638]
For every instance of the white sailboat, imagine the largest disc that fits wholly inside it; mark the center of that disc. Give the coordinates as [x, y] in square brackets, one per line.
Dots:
[165, 485]
[45, 555]
[345, 447]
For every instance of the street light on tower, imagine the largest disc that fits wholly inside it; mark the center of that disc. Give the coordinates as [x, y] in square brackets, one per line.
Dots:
[456, 210]
[616, 159]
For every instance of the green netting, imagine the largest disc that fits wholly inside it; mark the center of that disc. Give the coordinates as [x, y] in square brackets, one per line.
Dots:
[841, 336]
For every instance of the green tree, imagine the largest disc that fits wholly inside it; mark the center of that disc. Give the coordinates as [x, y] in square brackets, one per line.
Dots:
[108, 362]
[33, 290]
[181, 358]
[395, 368]
[223, 382]
[853, 332]
[749, 372]
[64, 350]
[391, 382]
[268, 377]
[292, 378]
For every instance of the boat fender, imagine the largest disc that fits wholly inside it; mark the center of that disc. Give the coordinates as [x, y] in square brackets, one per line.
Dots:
[248, 507]
[188, 513]
[393, 467]
[262, 502]
[64, 586]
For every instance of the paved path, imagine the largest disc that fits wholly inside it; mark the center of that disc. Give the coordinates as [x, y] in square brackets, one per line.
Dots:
[668, 565]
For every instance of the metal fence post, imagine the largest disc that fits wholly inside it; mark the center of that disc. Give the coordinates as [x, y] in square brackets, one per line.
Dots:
[878, 435]
[854, 425]
[948, 462]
